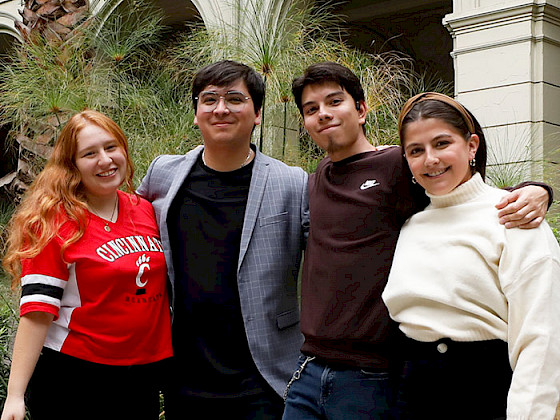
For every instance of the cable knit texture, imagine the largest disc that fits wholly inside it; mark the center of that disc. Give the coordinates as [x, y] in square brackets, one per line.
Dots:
[458, 273]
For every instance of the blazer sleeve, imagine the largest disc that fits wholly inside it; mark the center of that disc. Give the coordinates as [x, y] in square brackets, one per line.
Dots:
[305, 208]
[144, 189]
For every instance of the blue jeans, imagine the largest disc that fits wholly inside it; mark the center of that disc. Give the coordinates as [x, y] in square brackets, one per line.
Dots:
[326, 392]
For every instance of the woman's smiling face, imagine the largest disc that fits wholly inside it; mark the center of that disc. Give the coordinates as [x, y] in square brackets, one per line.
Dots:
[101, 161]
[438, 155]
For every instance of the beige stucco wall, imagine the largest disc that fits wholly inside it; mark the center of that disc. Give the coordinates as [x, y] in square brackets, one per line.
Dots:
[507, 72]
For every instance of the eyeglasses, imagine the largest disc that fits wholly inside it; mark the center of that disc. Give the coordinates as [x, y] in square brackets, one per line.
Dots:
[234, 101]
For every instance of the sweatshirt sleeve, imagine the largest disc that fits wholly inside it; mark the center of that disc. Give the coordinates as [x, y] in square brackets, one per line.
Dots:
[533, 296]
[547, 187]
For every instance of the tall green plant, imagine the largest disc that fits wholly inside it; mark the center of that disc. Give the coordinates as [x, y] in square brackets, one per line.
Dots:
[115, 63]
[8, 322]
[280, 39]
[508, 165]
[41, 84]
[8, 318]
[118, 62]
[8, 326]
[125, 40]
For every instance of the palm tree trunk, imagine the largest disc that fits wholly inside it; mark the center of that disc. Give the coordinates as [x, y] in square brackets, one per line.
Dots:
[54, 22]
[53, 19]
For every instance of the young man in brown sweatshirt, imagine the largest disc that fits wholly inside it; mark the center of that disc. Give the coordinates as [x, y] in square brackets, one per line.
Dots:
[359, 198]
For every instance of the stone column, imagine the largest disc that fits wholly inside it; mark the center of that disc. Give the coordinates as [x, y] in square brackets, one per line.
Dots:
[214, 12]
[8, 15]
[507, 72]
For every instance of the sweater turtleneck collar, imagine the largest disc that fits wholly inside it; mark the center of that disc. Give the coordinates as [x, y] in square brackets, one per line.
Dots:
[463, 193]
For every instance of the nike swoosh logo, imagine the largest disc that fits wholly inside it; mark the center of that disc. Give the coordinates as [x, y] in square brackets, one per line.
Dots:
[368, 184]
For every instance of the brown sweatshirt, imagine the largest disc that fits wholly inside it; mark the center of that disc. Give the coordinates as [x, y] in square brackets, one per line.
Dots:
[357, 207]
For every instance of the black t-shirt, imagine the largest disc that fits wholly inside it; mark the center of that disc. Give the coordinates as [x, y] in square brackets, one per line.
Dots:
[210, 346]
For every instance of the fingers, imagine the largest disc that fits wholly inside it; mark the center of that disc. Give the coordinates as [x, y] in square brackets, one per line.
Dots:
[534, 223]
[524, 208]
[515, 211]
[524, 219]
[507, 199]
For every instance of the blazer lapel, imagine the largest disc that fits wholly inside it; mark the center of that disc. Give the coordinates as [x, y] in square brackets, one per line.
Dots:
[254, 201]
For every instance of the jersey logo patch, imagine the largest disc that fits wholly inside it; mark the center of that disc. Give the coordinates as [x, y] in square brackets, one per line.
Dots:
[368, 184]
[143, 264]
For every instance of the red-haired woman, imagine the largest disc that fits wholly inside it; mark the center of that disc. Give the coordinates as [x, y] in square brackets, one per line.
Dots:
[95, 332]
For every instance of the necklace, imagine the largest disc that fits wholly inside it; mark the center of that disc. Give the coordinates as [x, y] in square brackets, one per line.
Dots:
[242, 165]
[107, 228]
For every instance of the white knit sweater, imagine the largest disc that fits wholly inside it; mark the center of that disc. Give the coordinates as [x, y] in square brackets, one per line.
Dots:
[458, 273]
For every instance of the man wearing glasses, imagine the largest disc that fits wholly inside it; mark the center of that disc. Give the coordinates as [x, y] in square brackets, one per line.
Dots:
[233, 222]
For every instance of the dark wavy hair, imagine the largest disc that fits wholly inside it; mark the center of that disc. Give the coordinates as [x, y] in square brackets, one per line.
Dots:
[325, 72]
[226, 72]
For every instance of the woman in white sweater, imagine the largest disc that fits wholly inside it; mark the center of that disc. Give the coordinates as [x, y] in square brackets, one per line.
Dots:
[479, 304]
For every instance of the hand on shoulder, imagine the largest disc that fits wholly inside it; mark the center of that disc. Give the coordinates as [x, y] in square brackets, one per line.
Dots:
[524, 208]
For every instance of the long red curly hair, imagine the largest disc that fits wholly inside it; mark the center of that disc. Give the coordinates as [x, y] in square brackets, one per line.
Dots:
[57, 195]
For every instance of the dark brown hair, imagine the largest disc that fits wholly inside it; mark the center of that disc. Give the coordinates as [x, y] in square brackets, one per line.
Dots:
[436, 105]
[226, 72]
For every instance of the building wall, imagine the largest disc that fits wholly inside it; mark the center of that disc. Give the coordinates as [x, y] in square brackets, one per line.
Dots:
[507, 72]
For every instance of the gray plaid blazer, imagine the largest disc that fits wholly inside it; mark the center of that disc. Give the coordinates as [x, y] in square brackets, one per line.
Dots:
[274, 233]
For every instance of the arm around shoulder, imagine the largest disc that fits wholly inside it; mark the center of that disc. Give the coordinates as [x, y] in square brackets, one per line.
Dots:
[525, 206]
